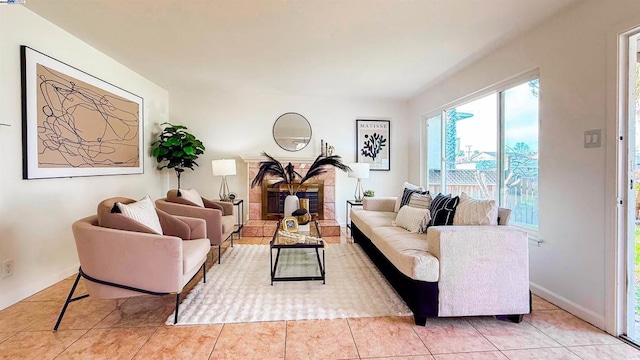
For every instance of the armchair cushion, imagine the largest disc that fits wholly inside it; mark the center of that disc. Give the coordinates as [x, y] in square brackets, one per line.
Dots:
[172, 196]
[192, 196]
[143, 212]
[116, 220]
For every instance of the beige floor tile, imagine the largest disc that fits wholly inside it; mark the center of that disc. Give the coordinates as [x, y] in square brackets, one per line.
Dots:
[606, 352]
[538, 303]
[490, 355]
[262, 340]
[417, 357]
[508, 336]
[386, 336]
[80, 315]
[21, 315]
[108, 344]
[331, 239]
[452, 335]
[248, 241]
[569, 330]
[181, 342]
[59, 291]
[5, 335]
[140, 311]
[537, 354]
[319, 339]
[39, 345]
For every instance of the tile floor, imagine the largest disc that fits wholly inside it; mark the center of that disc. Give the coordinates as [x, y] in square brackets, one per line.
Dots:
[134, 329]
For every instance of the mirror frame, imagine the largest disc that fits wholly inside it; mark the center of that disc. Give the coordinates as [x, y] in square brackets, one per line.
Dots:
[273, 131]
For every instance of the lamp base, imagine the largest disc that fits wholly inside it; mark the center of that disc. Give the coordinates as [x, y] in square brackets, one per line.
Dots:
[359, 194]
[224, 190]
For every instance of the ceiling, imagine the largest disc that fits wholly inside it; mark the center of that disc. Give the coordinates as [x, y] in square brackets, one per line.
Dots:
[345, 48]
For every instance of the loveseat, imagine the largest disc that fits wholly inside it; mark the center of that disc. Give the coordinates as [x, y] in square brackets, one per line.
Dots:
[468, 270]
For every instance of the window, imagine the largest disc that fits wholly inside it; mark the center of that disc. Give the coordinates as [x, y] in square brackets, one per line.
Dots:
[488, 148]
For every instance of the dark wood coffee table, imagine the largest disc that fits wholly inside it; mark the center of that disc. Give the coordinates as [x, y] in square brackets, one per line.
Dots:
[303, 239]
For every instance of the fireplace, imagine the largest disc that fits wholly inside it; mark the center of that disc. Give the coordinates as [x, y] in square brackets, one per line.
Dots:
[273, 196]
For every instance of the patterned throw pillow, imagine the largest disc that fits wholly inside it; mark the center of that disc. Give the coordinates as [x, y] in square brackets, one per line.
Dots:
[415, 220]
[471, 211]
[443, 209]
[143, 212]
[422, 201]
[192, 196]
[399, 198]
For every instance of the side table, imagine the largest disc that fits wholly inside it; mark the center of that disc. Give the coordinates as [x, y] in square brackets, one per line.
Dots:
[348, 206]
[239, 204]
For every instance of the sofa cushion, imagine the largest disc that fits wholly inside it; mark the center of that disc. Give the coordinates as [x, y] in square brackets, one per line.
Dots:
[443, 209]
[472, 211]
[414, 220]
[422, 201]
[367, 220]
[408, 186]
[407, 252]
[193, 254]
[142, 212]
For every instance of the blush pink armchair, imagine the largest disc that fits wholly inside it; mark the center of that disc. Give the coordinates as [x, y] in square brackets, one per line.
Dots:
[219, 216]
[121, 258]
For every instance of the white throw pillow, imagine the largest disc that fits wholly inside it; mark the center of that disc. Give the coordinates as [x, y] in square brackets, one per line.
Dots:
[193, 196]
[422, 201]
[475, 212]
[143, 212]
[409, 186]
[415, 220]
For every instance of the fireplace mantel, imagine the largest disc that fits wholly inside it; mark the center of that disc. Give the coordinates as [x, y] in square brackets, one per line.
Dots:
[282, 159]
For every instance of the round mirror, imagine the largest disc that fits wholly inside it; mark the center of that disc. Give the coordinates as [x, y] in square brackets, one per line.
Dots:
[292, 131]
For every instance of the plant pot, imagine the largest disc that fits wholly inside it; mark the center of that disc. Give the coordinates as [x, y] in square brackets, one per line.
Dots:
[291, 204]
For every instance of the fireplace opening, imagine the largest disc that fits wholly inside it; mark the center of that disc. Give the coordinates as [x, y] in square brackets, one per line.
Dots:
[273, 196]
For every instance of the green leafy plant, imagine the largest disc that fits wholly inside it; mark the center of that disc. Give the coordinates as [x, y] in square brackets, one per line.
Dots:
[369, 193]
[287, 174]
[176, 149]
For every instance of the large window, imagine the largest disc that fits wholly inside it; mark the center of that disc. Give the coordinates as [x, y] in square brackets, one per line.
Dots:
[488, 148]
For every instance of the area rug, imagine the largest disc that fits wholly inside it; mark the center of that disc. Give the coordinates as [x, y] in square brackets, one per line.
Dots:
[240, 290]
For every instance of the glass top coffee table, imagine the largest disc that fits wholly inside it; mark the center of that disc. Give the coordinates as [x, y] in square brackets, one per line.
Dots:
[292, 245]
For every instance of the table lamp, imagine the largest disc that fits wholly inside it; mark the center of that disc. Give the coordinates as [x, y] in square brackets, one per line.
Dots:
[224, 168]
[359, 171]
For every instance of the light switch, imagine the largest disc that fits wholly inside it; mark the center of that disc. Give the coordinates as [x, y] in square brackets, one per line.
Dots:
[592, 138]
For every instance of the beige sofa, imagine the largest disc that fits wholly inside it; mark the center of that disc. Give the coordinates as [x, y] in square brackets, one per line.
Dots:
[449, 270]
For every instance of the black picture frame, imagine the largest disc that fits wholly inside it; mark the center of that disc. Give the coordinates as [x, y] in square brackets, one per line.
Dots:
[373, 143]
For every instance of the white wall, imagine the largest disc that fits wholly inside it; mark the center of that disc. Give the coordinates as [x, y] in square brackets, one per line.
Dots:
[232, 125]
[36, 215]
[571, 52]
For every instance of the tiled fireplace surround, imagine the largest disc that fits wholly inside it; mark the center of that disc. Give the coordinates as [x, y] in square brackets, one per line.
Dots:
[258, 227]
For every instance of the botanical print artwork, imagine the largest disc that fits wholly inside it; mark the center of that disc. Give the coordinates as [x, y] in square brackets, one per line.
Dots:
[80, 125]
[373, 145]
[75, 124]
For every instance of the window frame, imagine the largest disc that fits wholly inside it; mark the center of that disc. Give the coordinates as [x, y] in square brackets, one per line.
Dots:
[499, 89]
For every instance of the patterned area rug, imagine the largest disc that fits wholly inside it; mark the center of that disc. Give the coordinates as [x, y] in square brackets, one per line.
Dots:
[239, 290]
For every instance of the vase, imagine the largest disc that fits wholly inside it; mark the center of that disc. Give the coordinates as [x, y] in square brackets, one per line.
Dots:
[291, 203]
[306, 217]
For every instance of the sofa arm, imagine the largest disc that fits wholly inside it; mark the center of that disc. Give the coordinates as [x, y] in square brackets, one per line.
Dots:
[379, 204]
[213, 217]
[226, 206]
[484, 270]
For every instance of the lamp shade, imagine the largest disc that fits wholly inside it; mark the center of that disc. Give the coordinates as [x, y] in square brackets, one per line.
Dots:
[223, 167]
[359, 170]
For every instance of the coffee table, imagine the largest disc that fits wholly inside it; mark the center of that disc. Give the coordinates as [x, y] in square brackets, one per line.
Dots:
[285, 242]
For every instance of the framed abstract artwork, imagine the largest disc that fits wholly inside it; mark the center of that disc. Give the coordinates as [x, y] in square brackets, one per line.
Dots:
[74, 124]
[373, 143]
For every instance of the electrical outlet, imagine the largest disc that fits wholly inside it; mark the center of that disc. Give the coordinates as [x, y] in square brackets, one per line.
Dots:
[7, 268]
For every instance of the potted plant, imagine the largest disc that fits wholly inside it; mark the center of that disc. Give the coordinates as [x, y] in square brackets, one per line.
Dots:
[176, 149]
[288, 175]
[368, 193]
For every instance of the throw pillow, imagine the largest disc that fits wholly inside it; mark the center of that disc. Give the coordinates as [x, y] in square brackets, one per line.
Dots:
[409, 186]
[472, 211]
[415, 220]
[192, 196]
[422, 201]
[143, 212]
[443, 208]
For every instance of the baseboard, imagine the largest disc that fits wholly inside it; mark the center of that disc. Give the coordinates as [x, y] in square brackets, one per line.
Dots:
[583, 313]
[20, 293]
